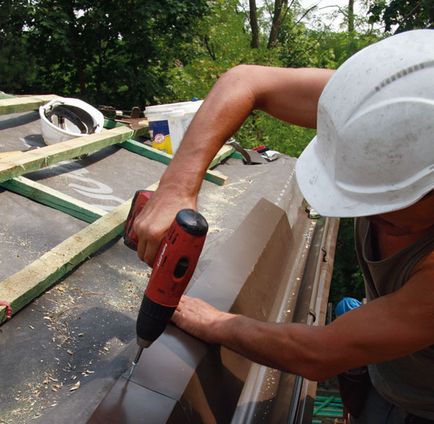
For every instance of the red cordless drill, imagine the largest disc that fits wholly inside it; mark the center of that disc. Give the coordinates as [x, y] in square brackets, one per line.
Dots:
[173, 268]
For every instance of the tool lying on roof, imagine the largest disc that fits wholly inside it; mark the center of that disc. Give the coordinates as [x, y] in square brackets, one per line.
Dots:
[255, 156]
[173, 268]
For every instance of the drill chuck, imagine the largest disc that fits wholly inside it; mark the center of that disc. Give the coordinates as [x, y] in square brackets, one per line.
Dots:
[151, 321]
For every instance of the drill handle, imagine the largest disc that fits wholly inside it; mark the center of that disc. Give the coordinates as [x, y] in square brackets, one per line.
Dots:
[139, 201]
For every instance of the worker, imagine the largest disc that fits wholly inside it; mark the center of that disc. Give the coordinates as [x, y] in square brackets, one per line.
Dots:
[372, 159]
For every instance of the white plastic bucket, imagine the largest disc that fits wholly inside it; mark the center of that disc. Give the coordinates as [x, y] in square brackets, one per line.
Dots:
[51, 130]
[169, 122]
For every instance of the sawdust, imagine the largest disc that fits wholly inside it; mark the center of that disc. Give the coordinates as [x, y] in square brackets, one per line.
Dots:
[131, 285]
[35, 396]
[43, 390]
[14, 243]
[67, 374]
[213, 203]
[19, 242]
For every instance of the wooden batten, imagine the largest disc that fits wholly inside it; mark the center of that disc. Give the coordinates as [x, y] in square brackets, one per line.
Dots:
[221, 155]
[24, 103]
[53, 198]
[163, 157]
[33, 160]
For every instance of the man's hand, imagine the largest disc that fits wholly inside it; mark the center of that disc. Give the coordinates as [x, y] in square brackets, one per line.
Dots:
[155, 219]
[200, 319]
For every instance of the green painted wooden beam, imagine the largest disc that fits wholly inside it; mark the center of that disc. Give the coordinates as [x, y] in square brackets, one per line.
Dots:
[24, 103]
[22, 287]
[111, 123]
[237, 155]
[163, 157]
[322, 405]
[222, 154]
[144, 150]
[53, 198]
[33, 160]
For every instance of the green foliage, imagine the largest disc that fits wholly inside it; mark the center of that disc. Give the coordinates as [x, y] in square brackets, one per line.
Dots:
[347, 279]
[15, 63]
[301, 47]
[403, 15]
[220, 44]
[341, 45]
[223, 42]
[261, 128]
[101, 51]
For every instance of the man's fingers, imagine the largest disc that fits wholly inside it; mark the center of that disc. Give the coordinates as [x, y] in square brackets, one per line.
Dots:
[141, 249]
[183, 299]
[155, 219]
[150, 253]
[149, 241]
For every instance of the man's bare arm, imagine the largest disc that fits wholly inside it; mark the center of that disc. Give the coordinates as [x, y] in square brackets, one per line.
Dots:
[387, 328]
[288, 94]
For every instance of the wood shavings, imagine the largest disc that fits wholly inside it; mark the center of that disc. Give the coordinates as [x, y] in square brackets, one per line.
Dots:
[75, 387]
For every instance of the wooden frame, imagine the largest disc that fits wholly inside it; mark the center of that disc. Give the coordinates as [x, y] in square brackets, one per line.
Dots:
[22, 287]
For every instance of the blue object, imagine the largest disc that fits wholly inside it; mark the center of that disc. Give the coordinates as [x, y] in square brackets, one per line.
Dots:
[346, 305]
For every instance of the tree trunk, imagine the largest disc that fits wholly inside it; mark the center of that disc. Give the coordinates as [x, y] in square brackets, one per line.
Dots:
[352, 47]
[350, 17]
[279, 6]
[253, 15]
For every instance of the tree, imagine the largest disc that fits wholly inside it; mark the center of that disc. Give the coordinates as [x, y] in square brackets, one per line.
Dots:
[280, 10]
[15, 64]
[403, 15]
[103, 51]
[253, 15]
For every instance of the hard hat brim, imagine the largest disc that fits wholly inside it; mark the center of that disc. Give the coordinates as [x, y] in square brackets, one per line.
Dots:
[326, 197]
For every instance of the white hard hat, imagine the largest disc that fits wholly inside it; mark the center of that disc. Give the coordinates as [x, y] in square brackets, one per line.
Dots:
[65, 118]
[374, 149]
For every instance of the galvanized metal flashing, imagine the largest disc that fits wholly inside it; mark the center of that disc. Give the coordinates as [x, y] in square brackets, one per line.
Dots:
[256, 272]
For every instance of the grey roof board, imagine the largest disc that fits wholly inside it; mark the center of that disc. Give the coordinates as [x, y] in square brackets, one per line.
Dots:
[20, 131]
[78, 330]
[28, 230]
